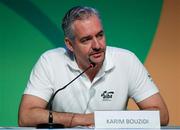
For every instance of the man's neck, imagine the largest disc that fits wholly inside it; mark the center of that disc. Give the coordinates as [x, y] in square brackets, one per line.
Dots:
[93, 72]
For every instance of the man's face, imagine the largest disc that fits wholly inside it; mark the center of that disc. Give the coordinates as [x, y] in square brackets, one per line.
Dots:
[89, 43]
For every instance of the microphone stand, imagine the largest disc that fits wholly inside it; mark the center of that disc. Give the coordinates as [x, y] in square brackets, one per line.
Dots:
[50, 124]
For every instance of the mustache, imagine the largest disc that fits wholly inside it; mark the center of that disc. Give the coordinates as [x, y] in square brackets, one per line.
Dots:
[96, 51]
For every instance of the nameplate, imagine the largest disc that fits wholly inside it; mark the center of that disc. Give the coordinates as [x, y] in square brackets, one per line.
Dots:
[127, 119]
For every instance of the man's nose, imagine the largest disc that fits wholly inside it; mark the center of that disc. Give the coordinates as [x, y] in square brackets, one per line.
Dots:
[95, 44]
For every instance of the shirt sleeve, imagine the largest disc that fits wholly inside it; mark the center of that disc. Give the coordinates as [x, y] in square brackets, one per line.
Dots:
[40, 81]
[141, 85]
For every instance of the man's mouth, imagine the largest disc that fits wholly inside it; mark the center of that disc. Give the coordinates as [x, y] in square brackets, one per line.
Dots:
[97, 54]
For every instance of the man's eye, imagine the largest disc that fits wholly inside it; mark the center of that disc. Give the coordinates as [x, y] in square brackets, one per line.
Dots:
[85, 40]
[100, 35]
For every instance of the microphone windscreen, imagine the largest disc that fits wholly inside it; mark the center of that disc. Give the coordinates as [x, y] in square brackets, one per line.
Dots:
[92, 64]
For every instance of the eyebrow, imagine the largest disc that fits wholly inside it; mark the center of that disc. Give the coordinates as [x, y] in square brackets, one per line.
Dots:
[85, 38]
[89, 36]
[100, 32]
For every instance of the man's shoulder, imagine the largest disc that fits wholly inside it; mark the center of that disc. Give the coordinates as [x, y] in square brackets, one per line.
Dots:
[60, 51]
[119, 51]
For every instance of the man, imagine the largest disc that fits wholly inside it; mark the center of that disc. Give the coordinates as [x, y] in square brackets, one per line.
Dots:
[117, 76]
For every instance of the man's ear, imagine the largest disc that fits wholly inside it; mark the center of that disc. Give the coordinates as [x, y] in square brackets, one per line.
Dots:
[68, 43]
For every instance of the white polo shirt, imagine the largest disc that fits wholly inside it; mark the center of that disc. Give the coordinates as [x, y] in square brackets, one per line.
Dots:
[121, 77]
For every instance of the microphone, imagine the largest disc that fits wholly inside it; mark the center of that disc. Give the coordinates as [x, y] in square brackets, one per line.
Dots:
[50, 124]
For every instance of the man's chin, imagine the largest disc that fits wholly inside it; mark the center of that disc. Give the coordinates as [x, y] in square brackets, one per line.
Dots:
[97, 61]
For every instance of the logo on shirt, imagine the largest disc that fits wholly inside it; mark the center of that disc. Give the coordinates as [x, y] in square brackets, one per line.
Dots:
[107, 96]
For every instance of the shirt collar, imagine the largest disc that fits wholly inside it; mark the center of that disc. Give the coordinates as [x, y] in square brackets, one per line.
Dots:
[72, 64]
[71, 61]
[108, 63]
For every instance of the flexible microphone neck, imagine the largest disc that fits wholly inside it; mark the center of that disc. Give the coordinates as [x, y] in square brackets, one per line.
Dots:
[50, 103]
[50, 123]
